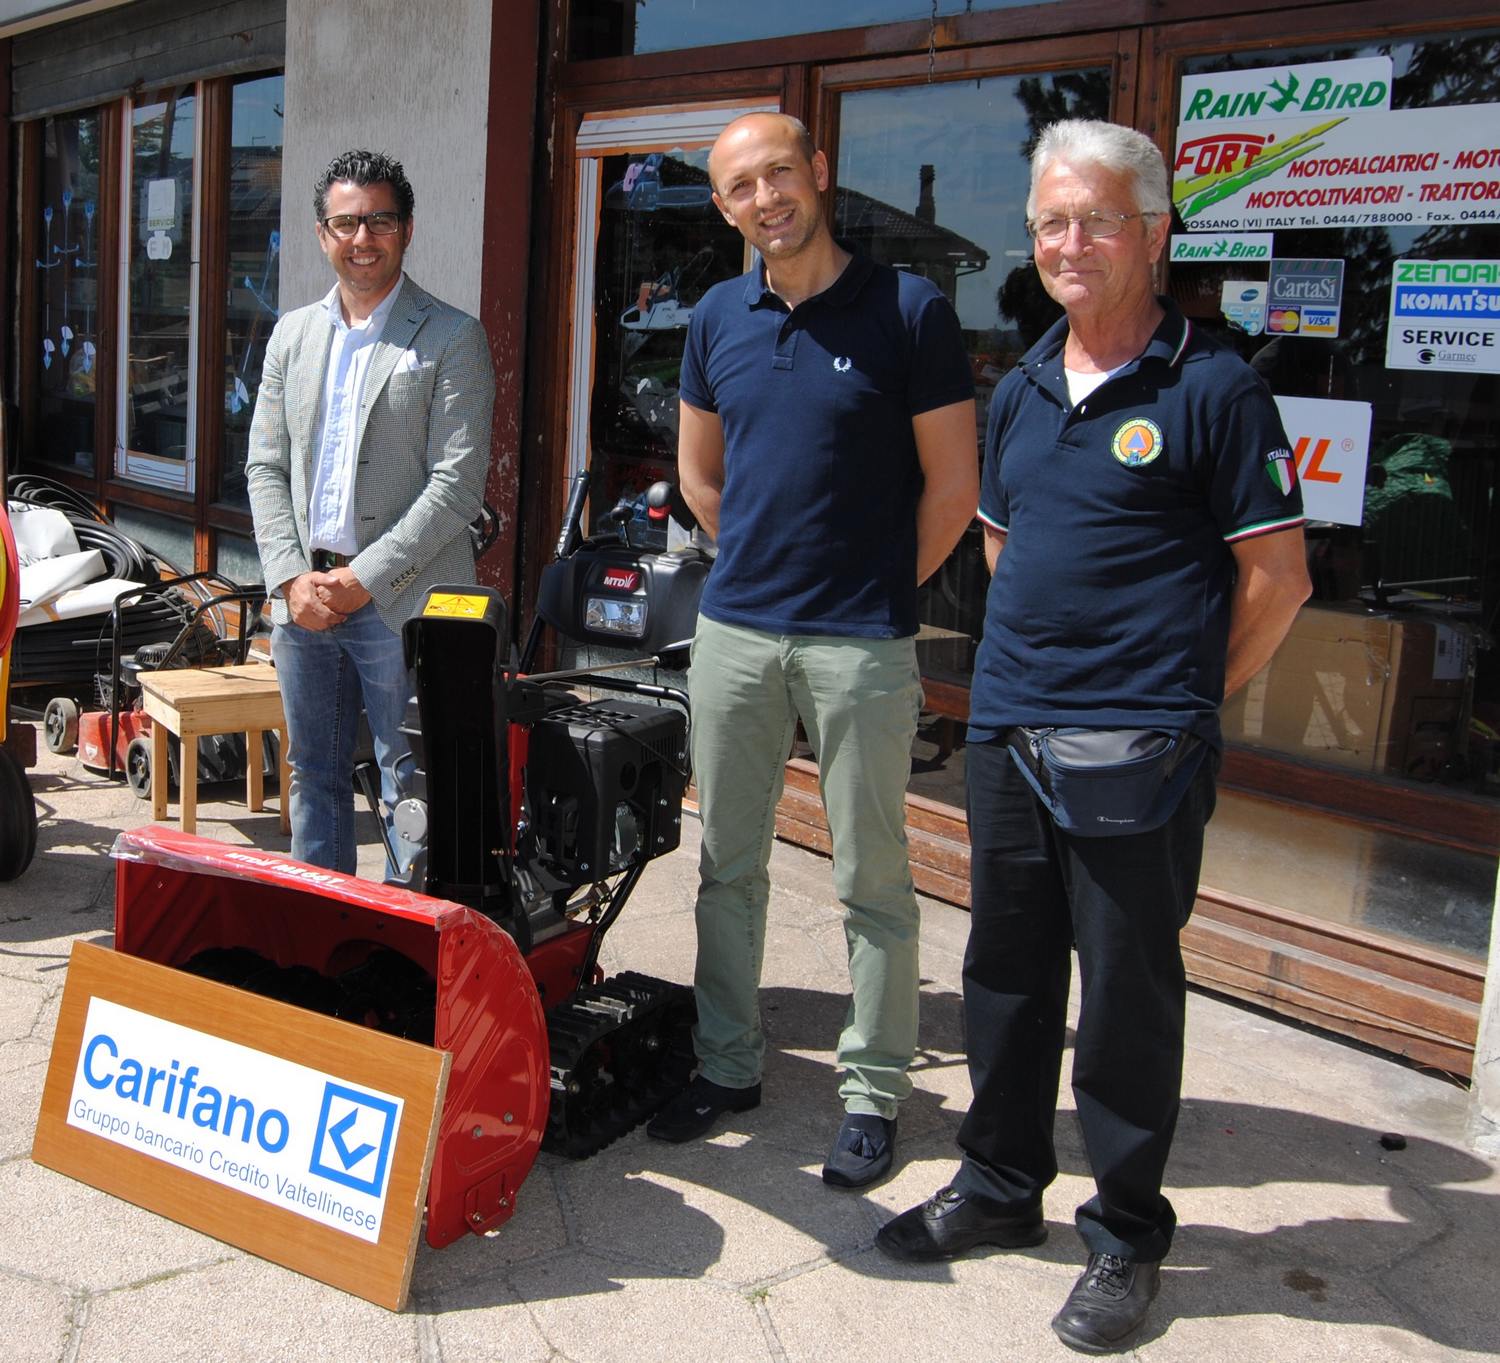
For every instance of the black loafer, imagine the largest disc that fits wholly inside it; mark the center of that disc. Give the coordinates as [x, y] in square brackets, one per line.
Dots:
[862, 1151]
[693, 1112]
[1108, 1303]
[949, 1224]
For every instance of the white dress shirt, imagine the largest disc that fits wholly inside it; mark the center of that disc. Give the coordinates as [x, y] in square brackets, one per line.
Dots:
[330, 505]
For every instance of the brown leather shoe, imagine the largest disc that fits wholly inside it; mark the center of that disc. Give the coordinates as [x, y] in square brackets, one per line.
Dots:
[949, 1224]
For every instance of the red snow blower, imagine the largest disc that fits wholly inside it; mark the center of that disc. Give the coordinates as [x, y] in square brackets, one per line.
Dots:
[537, 809]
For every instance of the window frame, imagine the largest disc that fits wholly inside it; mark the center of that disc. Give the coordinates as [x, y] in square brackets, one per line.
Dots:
[200, 509]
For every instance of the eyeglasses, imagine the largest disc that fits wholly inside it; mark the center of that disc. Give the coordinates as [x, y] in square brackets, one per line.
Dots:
[1051, 228]
[346, 225]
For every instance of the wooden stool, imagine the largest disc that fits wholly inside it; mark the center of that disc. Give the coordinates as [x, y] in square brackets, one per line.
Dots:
[194, 701]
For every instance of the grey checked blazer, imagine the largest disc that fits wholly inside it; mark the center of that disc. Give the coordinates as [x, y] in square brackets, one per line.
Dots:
[424, 450]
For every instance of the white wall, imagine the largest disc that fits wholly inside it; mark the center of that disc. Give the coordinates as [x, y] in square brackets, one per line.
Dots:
[408, 79]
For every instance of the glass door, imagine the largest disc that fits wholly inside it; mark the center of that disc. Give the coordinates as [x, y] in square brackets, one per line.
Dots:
[1387, 373]
[648, 242]
[159, 289]
[931, 176]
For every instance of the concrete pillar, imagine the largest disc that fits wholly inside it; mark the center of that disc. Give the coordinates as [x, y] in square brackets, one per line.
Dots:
[409, 80]
[1484, 1114]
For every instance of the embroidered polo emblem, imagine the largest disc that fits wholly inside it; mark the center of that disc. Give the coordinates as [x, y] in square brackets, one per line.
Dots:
[842, 364]
[1137, 442]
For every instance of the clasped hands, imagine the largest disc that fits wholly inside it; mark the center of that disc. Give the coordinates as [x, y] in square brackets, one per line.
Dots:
[321, 600]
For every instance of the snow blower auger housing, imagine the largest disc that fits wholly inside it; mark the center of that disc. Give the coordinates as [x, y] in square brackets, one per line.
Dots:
[535, 812]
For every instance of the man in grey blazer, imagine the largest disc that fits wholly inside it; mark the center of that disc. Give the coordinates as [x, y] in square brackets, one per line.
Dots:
[368, 454]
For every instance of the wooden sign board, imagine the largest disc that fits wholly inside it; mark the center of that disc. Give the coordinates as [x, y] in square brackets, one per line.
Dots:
[305, 1140]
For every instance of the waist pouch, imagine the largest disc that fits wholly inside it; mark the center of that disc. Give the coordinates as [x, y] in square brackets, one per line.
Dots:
[1103, 782]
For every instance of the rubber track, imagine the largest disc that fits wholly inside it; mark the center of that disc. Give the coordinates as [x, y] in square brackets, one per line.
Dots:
[619, 1051]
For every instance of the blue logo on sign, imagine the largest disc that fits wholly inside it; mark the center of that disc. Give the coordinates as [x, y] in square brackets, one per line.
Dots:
[353, 1144]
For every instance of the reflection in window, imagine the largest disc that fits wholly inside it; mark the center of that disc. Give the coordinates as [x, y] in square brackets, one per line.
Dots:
[933, 179]
[169, 538]
[67, 266]
[254, 264]
[661, 244]
[158, 241]
[237, 558]
[1388, 670]
[618, 28]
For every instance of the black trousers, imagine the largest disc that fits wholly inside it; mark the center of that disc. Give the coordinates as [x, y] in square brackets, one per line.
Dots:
[1122, 901]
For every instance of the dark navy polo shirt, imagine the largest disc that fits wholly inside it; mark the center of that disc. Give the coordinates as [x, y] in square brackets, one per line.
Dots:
[1110, 601]
[817, 523]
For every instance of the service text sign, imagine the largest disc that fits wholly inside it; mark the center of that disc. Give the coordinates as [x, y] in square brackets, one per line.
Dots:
[1445, 315]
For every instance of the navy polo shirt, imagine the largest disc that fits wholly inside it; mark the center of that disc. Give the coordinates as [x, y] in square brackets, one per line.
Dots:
[1110, 601]
[817, 522]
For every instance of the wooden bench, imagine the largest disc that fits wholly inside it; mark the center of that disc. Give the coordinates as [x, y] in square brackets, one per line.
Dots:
[193, 702]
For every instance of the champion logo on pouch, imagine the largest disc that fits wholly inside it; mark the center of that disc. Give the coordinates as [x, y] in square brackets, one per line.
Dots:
[842, 364]
[1137, 442]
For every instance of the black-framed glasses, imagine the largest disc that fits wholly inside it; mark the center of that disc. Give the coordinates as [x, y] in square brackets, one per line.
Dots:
[346, 225]
[1051, 228]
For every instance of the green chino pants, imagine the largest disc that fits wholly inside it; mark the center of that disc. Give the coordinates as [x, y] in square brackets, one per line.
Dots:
[858, 700]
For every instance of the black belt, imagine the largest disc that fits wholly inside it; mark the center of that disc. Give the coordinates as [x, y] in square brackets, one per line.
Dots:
[325, 560]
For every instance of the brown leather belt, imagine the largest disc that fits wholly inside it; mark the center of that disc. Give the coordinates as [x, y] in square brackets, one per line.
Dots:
[325, 560]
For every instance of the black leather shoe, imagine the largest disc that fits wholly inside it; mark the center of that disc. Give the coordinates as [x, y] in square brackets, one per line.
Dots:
[862, 1151]
[693, 1112]
[1108, 1303]
[949, 1224]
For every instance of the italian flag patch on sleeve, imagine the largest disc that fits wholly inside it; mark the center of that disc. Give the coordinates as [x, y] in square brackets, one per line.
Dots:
[1282, 470]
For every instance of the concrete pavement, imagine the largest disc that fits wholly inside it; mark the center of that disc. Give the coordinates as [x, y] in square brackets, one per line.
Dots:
[1300, 1236]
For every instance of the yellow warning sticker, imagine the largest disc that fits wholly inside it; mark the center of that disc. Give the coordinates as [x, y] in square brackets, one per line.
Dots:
[456, 606]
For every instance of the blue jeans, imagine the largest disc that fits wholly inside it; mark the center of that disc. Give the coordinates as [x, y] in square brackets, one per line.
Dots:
[324, 676]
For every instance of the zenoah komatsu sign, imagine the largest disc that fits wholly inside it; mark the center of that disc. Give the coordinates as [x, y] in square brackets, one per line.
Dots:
[1412, 167]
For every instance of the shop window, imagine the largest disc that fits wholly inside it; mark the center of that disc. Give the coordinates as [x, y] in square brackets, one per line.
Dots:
[153, 228]
[168, 537]
[66, 262]
[159, 278]
[620, 28]
[649, 243]
[236, 557]
[1389, 675]
[933, 178]
[253, 265]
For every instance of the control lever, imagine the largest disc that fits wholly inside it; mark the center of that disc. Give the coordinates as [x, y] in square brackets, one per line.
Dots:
[665, 499]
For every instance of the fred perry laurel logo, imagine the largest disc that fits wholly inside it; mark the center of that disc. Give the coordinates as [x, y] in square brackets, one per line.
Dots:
[1137, 442]
[842, 364]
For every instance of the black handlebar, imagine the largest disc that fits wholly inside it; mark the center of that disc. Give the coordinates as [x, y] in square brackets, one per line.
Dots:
[572, 524]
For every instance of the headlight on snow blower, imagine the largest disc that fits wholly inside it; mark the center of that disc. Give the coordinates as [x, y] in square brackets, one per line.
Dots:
[616, 615]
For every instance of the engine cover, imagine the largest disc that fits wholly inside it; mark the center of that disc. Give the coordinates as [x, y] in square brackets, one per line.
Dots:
[604, 786]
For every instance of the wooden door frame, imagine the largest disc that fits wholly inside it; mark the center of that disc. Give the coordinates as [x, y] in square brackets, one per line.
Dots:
[544, 493]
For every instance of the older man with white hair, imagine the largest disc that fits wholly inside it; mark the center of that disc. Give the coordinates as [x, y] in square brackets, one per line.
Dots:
[1143, 527]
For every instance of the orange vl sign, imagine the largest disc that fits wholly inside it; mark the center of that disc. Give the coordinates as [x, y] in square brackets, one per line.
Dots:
[1331, 444]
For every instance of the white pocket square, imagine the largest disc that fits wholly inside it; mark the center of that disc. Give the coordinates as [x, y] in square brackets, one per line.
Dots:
[408, 363]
